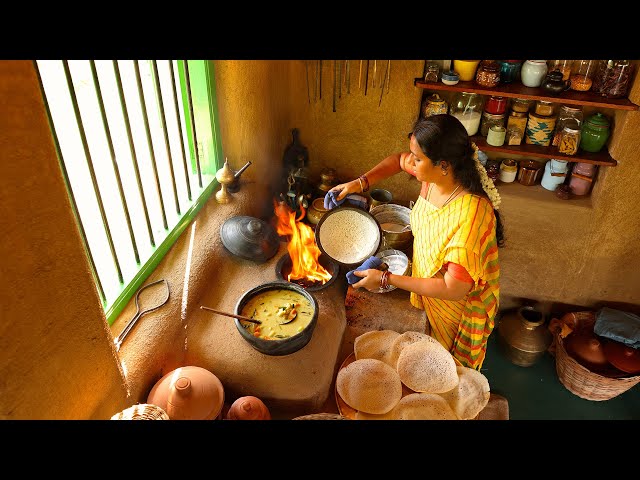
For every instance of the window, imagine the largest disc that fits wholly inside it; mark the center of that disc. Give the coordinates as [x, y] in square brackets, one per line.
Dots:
[126, 133]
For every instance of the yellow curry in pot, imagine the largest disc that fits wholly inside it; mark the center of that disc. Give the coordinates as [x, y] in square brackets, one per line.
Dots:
[283, 313]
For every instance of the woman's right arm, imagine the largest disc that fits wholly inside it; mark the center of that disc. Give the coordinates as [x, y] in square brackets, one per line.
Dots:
[394, 163]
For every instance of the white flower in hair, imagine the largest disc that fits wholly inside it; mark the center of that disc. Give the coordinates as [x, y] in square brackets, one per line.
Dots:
[487, 184]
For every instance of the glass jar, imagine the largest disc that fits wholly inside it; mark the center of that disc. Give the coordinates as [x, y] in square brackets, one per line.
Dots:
[467, 107]
[493, 171]
[599, 74]
[617, 79]
[563, 66]
[566, 113]
[510, 70]
[496, 105]
[544, 108]
[520, 105]
[595, 133]
[533, 72]
[582, 75]
[433, 105]
[432, 72]
[489, 120]
[488, 73]
[516, 126]
[569, 139]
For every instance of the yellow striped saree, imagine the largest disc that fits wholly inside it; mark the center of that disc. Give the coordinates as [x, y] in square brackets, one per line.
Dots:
[462, 232]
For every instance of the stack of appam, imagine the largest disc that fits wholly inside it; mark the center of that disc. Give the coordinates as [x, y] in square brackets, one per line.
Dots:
[436, 388]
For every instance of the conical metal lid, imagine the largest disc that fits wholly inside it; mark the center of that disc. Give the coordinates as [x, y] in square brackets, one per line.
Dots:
[250, 238]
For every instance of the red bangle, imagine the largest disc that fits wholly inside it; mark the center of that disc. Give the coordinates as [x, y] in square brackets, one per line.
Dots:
[363, 178]
[384, 280]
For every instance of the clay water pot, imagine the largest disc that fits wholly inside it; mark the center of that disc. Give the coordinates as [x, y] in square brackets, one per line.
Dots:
[248, 408]
[189, 393]
[523, 336]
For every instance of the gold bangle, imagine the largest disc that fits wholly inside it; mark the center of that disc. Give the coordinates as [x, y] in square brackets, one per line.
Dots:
[364, 178]
[361, 187]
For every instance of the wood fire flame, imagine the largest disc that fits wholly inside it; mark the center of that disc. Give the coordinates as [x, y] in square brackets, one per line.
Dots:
[302, 246]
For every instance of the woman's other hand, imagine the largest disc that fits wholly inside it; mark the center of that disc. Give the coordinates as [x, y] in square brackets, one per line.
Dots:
[370, 279]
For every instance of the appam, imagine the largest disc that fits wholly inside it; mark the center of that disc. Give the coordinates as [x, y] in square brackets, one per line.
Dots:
[427, 367]
[404, 339]
[471, 394]
[375, 344]
[369, 385]
[423, 406]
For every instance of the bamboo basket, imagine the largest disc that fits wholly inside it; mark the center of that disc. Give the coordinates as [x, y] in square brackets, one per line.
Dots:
[580, 380]
[143, 411]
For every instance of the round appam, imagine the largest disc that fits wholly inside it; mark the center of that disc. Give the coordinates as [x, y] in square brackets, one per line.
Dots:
[404, 339]
[471, 394]
[427, 367]
[369, 385]
[375, 344]
[423, 406]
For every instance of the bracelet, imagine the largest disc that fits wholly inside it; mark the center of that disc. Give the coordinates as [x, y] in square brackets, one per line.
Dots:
[361, 187]
[363, 178]
[384, 280]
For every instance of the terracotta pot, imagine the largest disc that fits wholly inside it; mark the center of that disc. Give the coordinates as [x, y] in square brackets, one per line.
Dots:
[587, 349]
[189, 393]
[622, 356]
[248, 408]
[523, 336]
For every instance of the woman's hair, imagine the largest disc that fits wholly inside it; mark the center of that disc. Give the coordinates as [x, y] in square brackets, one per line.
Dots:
[444, 137]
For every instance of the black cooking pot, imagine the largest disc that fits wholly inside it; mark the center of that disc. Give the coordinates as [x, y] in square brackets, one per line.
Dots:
[283, 346]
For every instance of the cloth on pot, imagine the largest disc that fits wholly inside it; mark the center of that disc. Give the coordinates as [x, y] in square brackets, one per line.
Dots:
[354, 200]
[623, 327]
[371, 262]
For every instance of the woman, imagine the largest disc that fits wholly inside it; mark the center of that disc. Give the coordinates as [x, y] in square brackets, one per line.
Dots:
[457, 231]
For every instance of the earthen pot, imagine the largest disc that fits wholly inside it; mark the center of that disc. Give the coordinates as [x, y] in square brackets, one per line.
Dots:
[189, 393]
[587, 349]
[623, 357]
[248, 408]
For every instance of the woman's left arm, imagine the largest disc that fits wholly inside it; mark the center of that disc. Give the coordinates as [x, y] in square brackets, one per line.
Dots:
[445, 288]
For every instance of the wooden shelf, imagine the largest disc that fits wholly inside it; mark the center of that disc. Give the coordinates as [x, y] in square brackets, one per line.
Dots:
[518, 90]
[600, 158]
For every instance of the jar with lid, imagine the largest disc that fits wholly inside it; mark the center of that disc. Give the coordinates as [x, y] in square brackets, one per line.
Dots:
[467, 107]
[508, 170]
[544, 108]
[432, 72]
[520, 105]
[555, 173]
[489, 120]
[580, 183]
[539, 130]
[516, 126]
[553, 83]
[563, 66]
[488, 73]
[582, 75]
[533, 72]
[566, 114]
[496, 135]
[599, 74]
[496, 105]
[617, 79]
[595, 133]
[510, 70]
[433, 105]
[569, 138]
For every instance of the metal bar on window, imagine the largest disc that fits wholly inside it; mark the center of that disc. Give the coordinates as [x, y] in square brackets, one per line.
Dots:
[116, 170]
[193, 122]
[163, 120]
[134, 158]
[92, 173]
[175, 104]
[150, 143]
[65, 175]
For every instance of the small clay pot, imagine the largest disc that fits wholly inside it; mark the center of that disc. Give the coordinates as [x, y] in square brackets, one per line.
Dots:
[623, 357]
[587, 349]
[248, 408]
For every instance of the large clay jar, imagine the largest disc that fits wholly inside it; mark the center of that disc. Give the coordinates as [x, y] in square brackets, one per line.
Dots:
[523, 336]
[189, 393]
[248, 408]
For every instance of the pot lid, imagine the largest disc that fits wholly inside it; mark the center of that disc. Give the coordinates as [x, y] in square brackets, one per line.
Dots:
[348, 235]
[623, 357]
[598, 120]
[250, 238]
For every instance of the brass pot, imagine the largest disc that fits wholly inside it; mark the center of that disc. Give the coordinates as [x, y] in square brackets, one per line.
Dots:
[523, 336]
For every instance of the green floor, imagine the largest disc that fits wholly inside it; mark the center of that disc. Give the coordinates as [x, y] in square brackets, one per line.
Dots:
[535, 392]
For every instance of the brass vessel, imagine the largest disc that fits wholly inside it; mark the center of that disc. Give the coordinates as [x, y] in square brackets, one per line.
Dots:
[523, 336]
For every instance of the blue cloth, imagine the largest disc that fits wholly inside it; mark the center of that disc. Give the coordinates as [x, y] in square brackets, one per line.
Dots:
[354, 200]
[371, 262]
[623, 327]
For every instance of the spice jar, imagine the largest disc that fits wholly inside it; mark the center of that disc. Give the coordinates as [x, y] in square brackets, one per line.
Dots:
[496, 105]
[569, 139]
[508, 170]
[555, 173]
[520, 105]
[563, 66]
[566, 114]
[432, 72]
[433, 105]
[516, 126]
[533, 72]
[510, 70]
[489, 120]
[600, 74]
[595, 133]
[582, 75]
[544, 108]
[488, 73]
[467, 107]
[617, 79]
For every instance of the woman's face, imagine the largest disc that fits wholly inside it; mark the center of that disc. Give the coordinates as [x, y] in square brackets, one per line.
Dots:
[424, 170]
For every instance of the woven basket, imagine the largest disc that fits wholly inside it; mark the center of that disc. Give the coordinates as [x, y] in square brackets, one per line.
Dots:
[582, 381]
[143, 411]
[322, 416]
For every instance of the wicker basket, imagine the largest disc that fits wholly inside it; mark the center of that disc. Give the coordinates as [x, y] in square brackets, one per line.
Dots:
[582, 381]
[143, 411]
[322, 416]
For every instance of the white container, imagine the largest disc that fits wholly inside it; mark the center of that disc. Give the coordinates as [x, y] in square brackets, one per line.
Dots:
[496, 135]
[533, 72]
[508, 171]
[555, 172]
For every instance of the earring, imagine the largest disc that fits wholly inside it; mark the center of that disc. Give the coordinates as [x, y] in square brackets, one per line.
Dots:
[445, 172]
